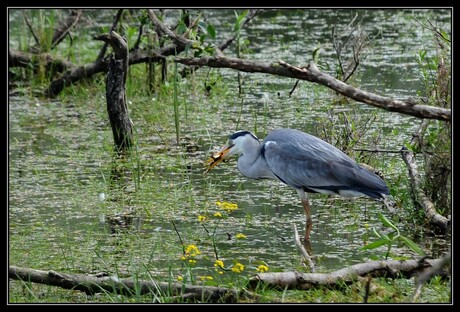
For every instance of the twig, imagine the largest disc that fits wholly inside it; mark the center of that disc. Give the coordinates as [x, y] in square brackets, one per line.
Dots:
[64, 27]
[106, 44]
[302, 250]
[138, 41]
[37, 41]
[367, 289]
[377, 150]
[178, 235]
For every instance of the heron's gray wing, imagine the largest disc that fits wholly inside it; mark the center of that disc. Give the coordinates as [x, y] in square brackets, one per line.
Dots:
[304, 161]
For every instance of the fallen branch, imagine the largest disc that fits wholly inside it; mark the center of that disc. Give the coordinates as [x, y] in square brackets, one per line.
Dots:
[77, 73]
[52, 64]
[430, 211]
[311, 73]
[388, 268]
[90, 285]
[446, 261]
[63, 28]
[302, 250]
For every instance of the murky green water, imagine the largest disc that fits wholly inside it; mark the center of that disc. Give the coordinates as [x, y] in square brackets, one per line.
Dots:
[61, 197]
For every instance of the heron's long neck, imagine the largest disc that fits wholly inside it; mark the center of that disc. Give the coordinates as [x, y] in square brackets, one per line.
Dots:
[252, 165]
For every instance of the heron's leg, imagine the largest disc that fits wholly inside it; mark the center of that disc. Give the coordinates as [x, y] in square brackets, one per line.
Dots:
[309, 223]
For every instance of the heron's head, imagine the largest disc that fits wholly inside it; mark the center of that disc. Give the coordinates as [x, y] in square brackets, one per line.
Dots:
[235, 146]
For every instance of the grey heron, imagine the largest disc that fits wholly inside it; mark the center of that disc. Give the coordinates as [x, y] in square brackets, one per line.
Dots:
[302, 161]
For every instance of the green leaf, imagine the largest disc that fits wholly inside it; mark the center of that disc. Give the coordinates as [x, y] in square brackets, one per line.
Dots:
[316, 54]
[376, 244]
[211, 31]
[387, 222]
[181, 28]
[412, 245]
[386, 237]
[376, 233]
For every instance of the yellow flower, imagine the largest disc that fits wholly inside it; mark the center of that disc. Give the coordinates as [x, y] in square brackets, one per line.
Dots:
[238, 268]
[201, 218]
[180, 278]
[192, 251]
[182, 258]
[218, 215]
[208, 278]
[227, 206]
[262, 268]
[219, 264]
[192, 261]
[240, 236]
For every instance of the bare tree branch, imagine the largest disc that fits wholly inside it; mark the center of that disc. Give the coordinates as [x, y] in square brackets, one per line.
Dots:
[312, 74]
[106, 44]
[63, 28]
[29, 25]
[302, 250]
[433, 217]
[180, 42]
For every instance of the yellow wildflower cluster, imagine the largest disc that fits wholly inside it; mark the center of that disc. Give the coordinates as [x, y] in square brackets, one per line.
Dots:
[262, 268]
[201, 218]
[219, 264]
[240, 236]
[205, 278]
[192, 251]
[229, 207]
[238, 268]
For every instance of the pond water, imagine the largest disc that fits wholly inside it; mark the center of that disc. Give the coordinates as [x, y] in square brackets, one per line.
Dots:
[66, 195]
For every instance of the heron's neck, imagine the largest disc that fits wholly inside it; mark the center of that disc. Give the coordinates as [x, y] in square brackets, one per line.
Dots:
[252, 165]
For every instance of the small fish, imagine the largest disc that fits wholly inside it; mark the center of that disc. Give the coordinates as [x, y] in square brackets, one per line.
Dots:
[213, 161]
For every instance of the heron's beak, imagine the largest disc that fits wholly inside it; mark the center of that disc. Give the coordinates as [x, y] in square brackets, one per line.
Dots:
[217, 157]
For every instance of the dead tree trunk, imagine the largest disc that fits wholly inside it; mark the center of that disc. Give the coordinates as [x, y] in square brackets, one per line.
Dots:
[117, 106]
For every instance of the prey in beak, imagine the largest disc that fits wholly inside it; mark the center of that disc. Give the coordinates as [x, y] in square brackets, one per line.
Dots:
[217, 157]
